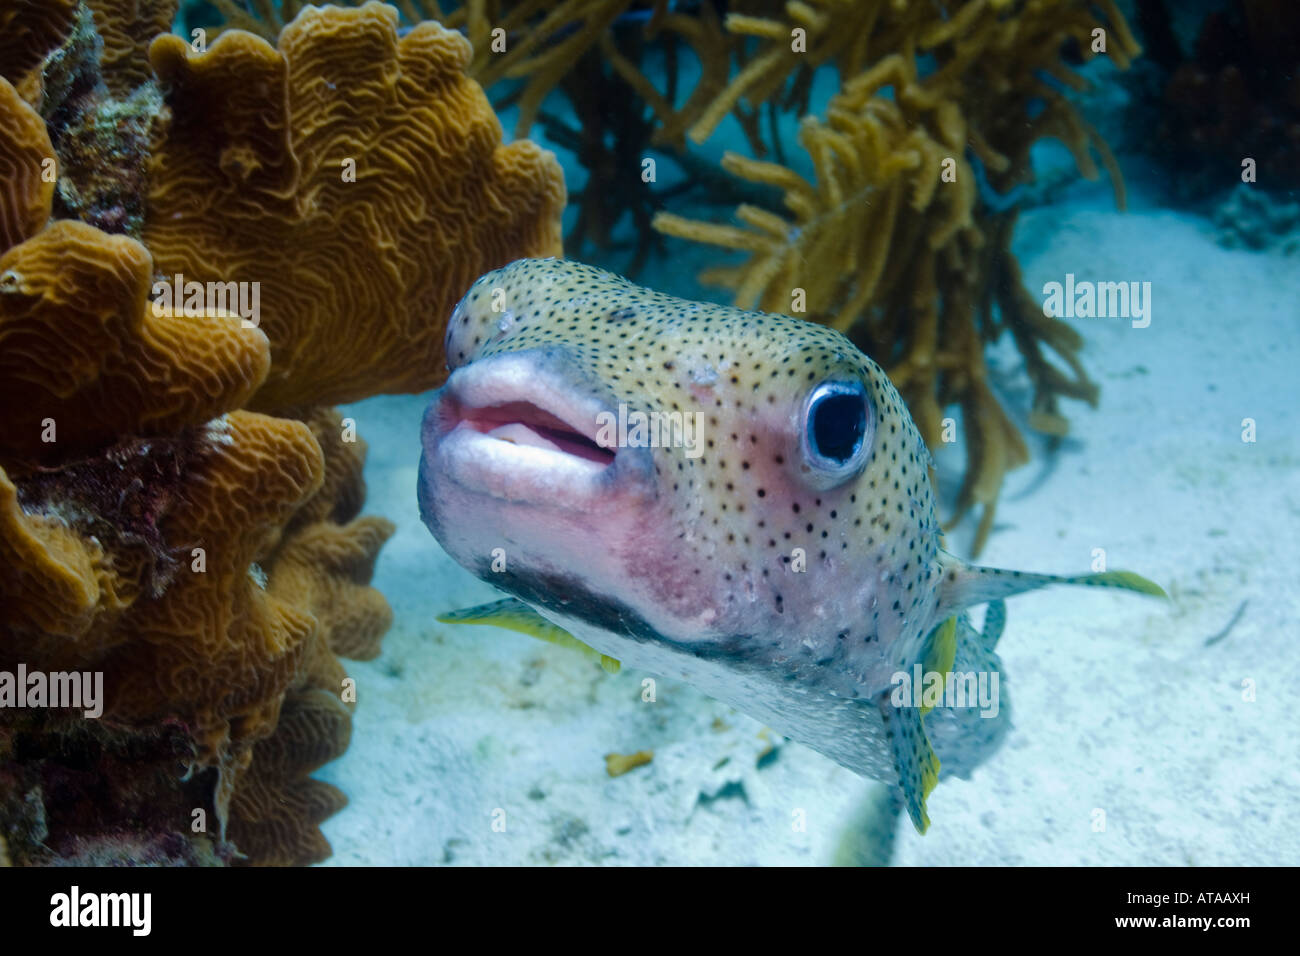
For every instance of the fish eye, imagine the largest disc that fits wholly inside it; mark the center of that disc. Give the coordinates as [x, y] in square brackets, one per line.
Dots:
[836, 421]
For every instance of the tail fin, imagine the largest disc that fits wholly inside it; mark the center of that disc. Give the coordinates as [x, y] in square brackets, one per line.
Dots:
[965, 585]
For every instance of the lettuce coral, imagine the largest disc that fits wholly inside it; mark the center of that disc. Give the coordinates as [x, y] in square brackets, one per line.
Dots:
[84, 350]
[207, 558]
[407, 187]
[126, 28]
[26, 192]
[29, 30]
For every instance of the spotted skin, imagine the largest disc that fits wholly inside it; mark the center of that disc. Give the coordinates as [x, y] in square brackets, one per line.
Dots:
[747, 568]
[740, 506]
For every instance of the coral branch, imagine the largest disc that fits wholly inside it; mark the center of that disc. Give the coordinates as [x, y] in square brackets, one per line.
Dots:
[890, 239]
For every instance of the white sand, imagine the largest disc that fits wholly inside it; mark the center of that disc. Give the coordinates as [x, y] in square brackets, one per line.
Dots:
[1118, 704]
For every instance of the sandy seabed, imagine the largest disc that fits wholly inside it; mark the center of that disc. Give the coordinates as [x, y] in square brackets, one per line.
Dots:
[1122, 714]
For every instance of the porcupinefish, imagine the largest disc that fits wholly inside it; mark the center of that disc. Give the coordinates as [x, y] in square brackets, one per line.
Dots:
[739, 500]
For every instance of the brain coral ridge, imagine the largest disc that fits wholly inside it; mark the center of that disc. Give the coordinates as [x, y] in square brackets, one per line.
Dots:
[368, 168]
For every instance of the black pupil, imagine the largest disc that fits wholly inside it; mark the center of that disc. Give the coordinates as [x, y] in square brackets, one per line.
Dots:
[838, 422]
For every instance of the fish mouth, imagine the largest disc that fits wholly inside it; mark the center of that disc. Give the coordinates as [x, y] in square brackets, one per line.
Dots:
[516, 427]
[527, 425]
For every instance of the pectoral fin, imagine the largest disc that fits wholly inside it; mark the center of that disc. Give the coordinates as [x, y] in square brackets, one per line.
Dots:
[940, 652]
[914, 758]
[515, 615]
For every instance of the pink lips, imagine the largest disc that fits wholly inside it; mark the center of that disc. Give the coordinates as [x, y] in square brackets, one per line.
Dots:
[515, 429]
[523, 423]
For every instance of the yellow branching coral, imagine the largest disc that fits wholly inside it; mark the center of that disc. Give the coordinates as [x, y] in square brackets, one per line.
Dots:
[847, 33]
[889, 240]
[548, 39]
[713, 48]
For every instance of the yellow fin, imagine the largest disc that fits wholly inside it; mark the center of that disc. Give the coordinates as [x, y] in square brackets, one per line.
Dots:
[514, 615]
[1128, 580]
[940, 652]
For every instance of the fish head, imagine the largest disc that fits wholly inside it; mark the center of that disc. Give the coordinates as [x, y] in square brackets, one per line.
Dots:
[714, 481]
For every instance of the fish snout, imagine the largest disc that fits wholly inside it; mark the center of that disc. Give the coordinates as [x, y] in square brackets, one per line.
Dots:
[523, 429]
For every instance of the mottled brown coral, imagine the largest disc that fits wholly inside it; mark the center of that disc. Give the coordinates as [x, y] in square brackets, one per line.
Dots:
[275, 818]
[221, 652]
[71, 775]
[243, 653]
[249, 184]
[343, 491]
[215, 658]
[259, 677]
[327, 568]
